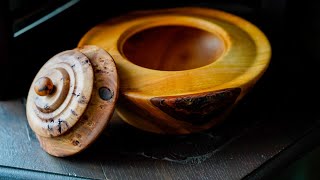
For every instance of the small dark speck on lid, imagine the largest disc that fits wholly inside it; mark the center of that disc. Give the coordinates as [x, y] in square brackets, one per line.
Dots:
[85, 117]
[49, 128]
[74, 113]
[99, 71]
[76, 94]
[89, 123]
[75, 142]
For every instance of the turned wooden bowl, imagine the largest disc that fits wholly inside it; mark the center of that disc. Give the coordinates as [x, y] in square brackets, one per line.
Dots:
[181, 70]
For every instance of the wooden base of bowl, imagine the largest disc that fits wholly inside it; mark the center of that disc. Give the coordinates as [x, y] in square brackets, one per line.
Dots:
[181, 114]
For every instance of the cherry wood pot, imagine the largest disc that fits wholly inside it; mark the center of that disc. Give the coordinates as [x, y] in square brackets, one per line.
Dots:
[181, 70]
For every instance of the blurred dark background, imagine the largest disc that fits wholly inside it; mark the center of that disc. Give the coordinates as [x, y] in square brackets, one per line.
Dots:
[33, 31]
[64, 22]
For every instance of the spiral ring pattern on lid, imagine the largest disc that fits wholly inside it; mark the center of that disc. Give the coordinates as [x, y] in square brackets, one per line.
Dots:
[72, 76]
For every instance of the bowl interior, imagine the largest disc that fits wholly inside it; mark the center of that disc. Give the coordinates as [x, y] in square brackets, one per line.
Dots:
[173, 48]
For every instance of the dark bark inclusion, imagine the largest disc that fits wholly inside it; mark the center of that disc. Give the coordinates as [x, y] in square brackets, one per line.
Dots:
[199, 108]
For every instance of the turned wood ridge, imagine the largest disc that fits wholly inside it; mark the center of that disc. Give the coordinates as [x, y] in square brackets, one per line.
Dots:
[72, 99]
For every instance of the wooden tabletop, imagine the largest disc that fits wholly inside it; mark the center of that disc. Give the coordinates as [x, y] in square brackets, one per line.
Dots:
[240, 147]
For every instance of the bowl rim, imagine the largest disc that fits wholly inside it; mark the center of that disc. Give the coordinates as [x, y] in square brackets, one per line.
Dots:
[195, 16]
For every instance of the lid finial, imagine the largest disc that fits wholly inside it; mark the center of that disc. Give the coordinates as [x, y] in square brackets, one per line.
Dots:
[43, 86]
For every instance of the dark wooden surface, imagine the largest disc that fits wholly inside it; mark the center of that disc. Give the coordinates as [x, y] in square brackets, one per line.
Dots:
[233, 150]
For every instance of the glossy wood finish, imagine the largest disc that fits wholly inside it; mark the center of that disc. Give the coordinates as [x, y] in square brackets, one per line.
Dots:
[179, 52]
[98, 105]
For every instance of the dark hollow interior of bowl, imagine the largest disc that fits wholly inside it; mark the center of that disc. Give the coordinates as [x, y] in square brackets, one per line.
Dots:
[173, 48]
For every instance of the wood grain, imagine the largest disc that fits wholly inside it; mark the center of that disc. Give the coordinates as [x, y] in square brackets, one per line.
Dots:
[178, 48]
[98, 110]
[179, 52]
[72, 76]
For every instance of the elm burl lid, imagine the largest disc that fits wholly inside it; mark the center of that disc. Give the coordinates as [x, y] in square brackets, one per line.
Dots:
[72, 98]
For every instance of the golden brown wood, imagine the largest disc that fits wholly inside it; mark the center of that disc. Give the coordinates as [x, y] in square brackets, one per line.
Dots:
[92, 70]
[173, 48]
[185, 53]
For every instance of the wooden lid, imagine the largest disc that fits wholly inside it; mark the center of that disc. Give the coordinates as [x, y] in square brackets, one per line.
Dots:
[72, 98]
